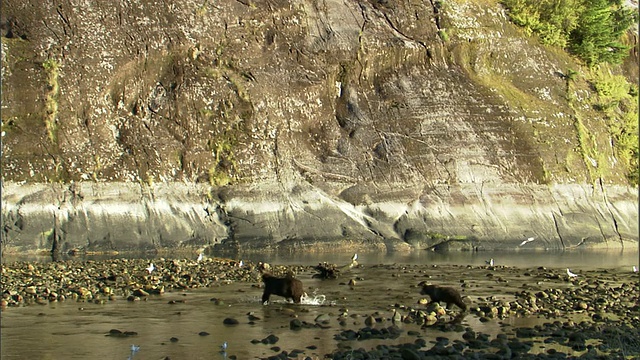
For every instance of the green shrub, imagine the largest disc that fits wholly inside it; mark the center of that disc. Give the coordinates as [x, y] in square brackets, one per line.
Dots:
[590, 29]
[551, 20]
[596, 39]
[611, 89]
[618, 99]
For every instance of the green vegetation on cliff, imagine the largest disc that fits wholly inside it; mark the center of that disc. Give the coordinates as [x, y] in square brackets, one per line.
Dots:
[590, 29]
[593, 31]
[618, 99]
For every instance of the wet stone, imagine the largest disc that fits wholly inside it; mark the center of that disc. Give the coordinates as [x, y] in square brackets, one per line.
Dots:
[230, 321]
[217, 301]
[369, 321]
[322, 318]
[140, 293]
[295, 353]
[347, 335]
[408, 353]
[115, 332]
[420, 343]
[118, 333]
[295, 324]
[525, 333]
[271, 339]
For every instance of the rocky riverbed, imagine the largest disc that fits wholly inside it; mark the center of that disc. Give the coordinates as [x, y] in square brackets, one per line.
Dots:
[592, 313]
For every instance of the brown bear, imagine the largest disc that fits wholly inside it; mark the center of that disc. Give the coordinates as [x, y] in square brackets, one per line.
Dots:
[287, 287]
[443, 294]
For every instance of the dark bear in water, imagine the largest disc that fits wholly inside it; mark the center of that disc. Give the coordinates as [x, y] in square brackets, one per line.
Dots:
[287, 287]
[443, 294]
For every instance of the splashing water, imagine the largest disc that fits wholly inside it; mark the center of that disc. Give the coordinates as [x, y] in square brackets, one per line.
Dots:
[313, 299]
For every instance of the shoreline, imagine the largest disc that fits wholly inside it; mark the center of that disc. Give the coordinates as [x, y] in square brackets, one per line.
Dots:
[594, 258]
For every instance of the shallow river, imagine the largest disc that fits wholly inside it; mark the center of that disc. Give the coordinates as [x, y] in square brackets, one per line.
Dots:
[77, 330]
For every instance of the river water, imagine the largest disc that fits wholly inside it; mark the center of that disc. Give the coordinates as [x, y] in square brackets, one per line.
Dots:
[592, 259]
[76, 330]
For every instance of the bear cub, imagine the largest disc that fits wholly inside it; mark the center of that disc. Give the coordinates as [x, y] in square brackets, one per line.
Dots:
[443, 294]
[287, 287]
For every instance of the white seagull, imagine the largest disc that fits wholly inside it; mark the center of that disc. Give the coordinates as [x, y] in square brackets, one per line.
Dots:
[635, 269]
[527, 241]
[150, 268]
[200, 257]
[570, 273]
[354, 258]
[223, 347]
[490, 262]
[134, 350]
[240, 264]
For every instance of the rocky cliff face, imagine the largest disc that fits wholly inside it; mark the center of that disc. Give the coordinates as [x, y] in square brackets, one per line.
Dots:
[297, 125]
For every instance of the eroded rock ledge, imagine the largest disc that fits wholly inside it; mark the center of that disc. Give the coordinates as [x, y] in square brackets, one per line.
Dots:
[139, 217]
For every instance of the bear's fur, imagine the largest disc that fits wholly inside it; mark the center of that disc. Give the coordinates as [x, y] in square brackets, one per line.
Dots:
[444, 294]
[287, 287]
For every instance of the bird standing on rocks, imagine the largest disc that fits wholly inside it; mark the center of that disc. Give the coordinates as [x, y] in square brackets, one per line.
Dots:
[490, 262]
[572, 275]
[151, 268]
[397, 317]
[354, 261]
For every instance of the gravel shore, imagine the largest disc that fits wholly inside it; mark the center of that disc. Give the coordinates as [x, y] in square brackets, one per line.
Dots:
[595, 313]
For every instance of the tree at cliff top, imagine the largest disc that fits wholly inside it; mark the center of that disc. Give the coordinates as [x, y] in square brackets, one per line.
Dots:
[590, 29]
[601, 25]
